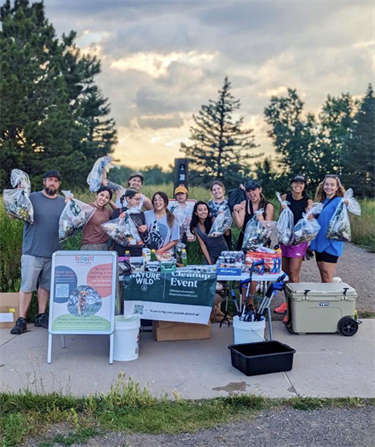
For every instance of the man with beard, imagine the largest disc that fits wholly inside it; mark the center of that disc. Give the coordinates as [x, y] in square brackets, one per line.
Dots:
[40, 241]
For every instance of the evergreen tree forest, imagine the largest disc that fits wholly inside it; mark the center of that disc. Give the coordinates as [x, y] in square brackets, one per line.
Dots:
[53, 115]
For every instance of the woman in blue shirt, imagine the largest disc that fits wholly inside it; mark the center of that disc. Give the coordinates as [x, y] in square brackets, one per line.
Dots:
[327, 251]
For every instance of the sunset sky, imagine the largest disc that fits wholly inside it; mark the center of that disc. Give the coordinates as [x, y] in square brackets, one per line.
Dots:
[162, 60]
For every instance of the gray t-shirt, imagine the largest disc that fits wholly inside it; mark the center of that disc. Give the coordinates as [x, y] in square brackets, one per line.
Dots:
[42, 237]
[159, 232]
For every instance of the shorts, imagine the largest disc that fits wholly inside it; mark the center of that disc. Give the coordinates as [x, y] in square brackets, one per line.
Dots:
[294, 251]
[326, 257]
[34, 269]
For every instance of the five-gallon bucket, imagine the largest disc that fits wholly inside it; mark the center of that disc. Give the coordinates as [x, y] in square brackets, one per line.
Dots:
[248, 331]
[126, 340]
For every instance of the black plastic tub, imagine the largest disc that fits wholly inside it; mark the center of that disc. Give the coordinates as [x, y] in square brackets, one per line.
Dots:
[263, 357]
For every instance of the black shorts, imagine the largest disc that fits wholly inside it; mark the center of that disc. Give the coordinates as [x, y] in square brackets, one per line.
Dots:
[326, 257]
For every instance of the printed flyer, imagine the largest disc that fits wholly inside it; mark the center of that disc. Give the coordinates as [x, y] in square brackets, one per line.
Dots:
[83, 292]
[180, 296]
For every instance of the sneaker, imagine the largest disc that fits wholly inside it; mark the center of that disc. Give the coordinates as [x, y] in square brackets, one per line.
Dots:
[41, 320]
[281, 309]
[19, 327]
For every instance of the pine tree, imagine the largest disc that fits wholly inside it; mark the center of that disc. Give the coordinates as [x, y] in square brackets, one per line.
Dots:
[359, 154]
[53, 114]
[220, 145]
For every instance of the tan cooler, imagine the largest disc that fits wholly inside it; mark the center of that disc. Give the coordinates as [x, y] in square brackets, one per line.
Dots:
[319, 308]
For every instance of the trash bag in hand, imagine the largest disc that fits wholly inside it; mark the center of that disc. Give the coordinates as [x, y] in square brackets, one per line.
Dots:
[123, 231]
[257, 233]
[95, 178]
[306, 230]
[339, 225]
[285, 223]
[16, 201]
[236, 196]
[222, 223]
[74, 217]
[183, 215]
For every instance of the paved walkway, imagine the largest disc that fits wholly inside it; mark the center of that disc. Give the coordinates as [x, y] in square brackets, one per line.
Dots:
[329, 365]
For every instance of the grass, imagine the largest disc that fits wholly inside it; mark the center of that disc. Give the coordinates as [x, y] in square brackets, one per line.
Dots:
[128, 408]
[363, 226]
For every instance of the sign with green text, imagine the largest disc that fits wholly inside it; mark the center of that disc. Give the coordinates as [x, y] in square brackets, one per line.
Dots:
[179, 296]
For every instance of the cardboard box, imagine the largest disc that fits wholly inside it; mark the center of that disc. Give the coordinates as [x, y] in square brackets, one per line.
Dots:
[8, 309]
[171, 331]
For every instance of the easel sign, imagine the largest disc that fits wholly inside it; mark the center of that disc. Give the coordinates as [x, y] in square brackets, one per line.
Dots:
[83, 293]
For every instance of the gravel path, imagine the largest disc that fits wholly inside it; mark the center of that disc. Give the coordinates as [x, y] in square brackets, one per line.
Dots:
[356, 267]
[284, 427]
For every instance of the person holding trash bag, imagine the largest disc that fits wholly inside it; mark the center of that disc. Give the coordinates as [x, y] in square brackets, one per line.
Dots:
[182, 212]
[201, 223]
[40, 241]
[244, 211]
[135, 181]
[162, 226]
[130, 203]
[93, 236]
[292, 255]
[327, 251]
[214, 205]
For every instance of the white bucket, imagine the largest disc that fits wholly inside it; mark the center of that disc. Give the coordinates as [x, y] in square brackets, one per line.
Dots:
[248, 331]
[126, 339]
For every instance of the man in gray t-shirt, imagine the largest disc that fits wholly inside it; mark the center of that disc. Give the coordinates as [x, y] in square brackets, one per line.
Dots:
[40, 241]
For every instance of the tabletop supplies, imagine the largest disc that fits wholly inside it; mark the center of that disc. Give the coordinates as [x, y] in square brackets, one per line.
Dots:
[339, 225]
[74, 217]
[16, 201]
[271, 260]
[285, 223]
[307, 228]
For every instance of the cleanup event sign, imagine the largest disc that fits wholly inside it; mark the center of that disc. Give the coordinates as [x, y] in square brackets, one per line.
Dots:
[83, 292]
[181, 296]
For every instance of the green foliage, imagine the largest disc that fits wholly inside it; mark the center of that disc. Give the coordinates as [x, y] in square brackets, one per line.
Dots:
[53, 114]
[363, 226]
[220, 145]
[358, 155]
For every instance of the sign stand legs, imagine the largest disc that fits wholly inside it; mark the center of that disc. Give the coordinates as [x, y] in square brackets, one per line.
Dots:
[63, 345]
[49, 352]
[111, 340]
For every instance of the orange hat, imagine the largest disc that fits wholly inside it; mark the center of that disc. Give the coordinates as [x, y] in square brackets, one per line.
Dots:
[180, 188]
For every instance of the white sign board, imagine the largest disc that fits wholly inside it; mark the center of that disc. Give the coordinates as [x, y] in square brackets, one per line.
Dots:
[83, 293]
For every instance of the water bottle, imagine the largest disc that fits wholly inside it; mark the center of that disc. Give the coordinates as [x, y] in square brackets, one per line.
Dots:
[153, 255]
[184, 257]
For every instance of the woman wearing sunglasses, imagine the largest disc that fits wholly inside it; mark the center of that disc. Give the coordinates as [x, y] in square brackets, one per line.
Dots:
[327, 251]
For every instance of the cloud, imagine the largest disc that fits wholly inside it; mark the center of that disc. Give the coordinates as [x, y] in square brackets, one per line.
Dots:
[162, 60]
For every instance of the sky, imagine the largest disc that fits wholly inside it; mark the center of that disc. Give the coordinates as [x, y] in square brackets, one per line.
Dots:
[162, 60]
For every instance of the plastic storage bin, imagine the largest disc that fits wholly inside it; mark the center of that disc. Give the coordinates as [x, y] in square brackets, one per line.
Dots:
[262, 358]
[321, 308]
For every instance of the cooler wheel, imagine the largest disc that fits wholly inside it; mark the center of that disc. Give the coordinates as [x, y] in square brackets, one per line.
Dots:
[347, 326]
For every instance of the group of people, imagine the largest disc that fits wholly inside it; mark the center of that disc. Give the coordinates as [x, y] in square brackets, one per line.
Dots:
[162, 228]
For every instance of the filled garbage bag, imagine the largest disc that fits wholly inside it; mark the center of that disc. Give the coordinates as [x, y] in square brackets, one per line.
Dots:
[306, 229]
[285, 223]
[235, 196]
[339, 225]
[257, 233]
[74, 217]
[95, 178]
[222, 222]
[16, 201]
[123, 231]
[183, 215]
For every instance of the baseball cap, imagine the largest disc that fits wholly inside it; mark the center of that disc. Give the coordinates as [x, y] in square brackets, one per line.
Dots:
[52, 174]
[299, 178]
[180, 188]
[251, 185]
[136, 174]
